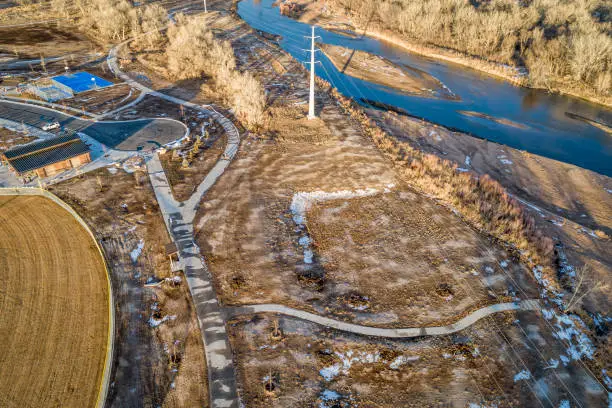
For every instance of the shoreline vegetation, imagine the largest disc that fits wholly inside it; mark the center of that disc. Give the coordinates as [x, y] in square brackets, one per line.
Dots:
[562, 49]
[481, 201]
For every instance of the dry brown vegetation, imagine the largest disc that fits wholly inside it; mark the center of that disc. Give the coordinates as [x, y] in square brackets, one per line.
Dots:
[113, 20]
[482, 201]
[55, 307]
[193, 51]
[154, 366]
[564, 45]
[476, 366]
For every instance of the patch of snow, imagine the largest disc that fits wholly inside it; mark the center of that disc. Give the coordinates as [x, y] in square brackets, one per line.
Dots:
[112, 170]
[462, 170]
[303, 201]
[506, 161]
[135, 254]
[468, 161]
[347, 359]
[308, 255]
[503, 263]
[564, 404]
[329, 395]
[401, 360]
[564, 359]
[329, 373]
[606, 378]
[153, 322]
[553, 363]
[523, 375]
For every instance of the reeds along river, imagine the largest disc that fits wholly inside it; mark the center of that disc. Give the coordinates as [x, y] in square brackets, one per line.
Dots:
[554, 126]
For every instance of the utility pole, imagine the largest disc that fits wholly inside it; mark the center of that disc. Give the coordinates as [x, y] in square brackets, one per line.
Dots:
[205, 9]
[311, 103]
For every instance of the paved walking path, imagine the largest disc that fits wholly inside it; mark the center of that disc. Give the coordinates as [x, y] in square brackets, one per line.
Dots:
[179, 220]
[380, 332]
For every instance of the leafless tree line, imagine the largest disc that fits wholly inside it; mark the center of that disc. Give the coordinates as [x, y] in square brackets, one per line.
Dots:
[558, 41]
[113, 20]
[193, 51]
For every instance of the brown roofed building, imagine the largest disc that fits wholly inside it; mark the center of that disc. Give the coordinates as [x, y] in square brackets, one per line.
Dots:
[48, 157]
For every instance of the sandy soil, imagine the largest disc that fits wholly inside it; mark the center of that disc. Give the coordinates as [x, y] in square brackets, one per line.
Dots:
[380, 71]
[54, 303]
[312, 366]
[158, 363]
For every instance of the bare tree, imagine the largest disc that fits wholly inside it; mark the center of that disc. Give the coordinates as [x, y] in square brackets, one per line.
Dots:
[586, 283]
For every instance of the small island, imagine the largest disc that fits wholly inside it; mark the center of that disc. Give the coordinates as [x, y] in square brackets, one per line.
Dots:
[381, 71]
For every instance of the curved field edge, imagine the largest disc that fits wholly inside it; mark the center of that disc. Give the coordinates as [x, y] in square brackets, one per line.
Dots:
[108, 355]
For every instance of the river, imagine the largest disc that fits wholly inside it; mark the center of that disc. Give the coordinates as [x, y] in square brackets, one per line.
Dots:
[545, 128]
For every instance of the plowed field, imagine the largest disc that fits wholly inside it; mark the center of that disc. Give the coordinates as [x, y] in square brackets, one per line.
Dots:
[54, 307]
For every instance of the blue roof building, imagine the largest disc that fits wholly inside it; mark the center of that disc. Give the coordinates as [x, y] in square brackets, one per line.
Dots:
[79, 82]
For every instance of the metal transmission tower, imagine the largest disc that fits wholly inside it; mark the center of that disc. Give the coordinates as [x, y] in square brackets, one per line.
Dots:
[311, 103]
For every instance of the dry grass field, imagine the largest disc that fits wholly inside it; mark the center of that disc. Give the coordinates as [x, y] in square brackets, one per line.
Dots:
[54, 302]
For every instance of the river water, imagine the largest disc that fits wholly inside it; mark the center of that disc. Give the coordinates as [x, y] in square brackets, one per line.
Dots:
[545, 129]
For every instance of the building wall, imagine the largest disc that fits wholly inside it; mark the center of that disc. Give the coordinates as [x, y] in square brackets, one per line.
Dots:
[55, 168]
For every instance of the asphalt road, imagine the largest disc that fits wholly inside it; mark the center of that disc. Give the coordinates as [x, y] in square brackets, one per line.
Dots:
[125, 135]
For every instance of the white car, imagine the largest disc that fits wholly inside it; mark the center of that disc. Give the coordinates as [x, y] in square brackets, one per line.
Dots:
[51, 126]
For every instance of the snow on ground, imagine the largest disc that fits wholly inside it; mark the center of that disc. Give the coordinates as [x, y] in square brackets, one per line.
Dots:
[135, 254]
[564, 404]
[523, 375]
[400, 360]
[504, 159]
[303, 201]
[569, 328]
[347, 359]
[468, 161]
[153, 322]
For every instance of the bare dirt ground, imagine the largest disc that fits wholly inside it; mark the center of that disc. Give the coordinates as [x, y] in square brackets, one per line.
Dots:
[9, 139]
[184, 180]
[54, 301]
[103, 100]
[252, 243]
[572, 204]
[312, 366]
[48, 40]
[401, 256]
[159, 358]
[380, 71]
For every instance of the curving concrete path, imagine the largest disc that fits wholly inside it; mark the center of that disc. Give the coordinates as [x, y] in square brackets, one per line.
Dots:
[400, 333]
[179, 221]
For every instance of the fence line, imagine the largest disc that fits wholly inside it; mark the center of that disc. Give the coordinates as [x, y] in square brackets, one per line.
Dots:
[34, 191]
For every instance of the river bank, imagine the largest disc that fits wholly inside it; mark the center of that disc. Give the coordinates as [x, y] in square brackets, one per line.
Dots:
[338, 21]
